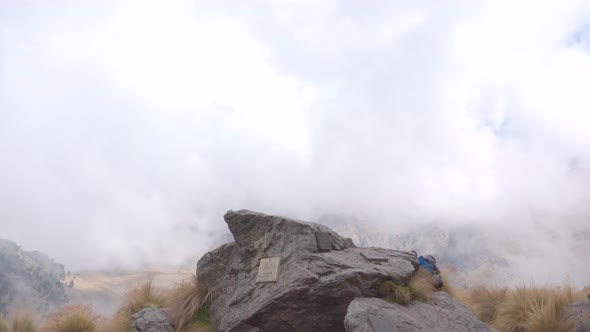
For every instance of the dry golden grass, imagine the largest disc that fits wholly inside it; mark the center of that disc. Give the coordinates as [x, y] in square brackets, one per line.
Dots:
[23, 321]
[144, 296]
[186, 301]
[523, 309]
[420, 288]
[448, 287]
[4, 325]
[583, 294]
[421, 285]
[74, 318]
[141, 297]
[536, 309]
[395, 293]
[121, 322]
[484, 302]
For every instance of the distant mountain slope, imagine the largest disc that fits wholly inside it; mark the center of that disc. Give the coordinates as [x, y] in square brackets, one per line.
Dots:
[501, 255]
[29, 280]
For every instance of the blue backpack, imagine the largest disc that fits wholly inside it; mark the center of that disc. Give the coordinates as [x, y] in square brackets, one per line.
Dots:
[428, 262]
[425, 264]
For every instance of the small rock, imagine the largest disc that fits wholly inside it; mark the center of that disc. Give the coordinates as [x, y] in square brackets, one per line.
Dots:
[152, 320]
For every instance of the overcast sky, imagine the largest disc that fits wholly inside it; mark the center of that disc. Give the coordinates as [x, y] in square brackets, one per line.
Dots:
[127, 128]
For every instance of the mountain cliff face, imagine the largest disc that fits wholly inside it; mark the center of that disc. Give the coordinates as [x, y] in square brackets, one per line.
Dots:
[29, 280]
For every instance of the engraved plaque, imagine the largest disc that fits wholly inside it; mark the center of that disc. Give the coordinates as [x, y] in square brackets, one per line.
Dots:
[268, 271]
[324, 241]
[374, 256]
[381, 324]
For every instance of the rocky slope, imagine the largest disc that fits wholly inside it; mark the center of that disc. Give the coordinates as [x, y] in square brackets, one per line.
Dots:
[29, 280]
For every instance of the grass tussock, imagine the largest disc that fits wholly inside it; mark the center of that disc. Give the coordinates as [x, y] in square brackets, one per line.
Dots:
[200, 322]
[421, 285]
[4, 325]
[189, 306]
[140, 297]
[395, 293]
[23, 321]
[144, 296]
[536, 309]
[121, 322]
[523, 309]
[484, 302]
[583, 294]
[448, 287]
[420, 288]
[74, 318]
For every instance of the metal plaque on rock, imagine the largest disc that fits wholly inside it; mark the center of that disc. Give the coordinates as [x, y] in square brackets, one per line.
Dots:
[324, 241]
[374, 256]
[382, 325]
[268, 271]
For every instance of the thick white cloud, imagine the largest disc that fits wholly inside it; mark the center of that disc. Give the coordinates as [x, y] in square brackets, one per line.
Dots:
[128, 128]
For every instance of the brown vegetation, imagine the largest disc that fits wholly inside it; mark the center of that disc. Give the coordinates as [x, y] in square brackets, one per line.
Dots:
[395, 293]
[525, 308]
[421, 285]
[74, 318]
[536, 309]
[583, 294]
[23, 321]
[4, 325]
[486, 301]
[141, 297]
[188, 306]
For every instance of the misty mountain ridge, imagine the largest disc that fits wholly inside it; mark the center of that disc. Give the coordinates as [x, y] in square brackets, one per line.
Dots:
[475, 254]
[29, 280]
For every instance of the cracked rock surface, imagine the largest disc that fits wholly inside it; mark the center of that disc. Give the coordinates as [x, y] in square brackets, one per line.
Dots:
[580, 315]
[443, 314]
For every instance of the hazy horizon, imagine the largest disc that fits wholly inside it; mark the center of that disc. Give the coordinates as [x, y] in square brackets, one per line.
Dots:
[127, 128]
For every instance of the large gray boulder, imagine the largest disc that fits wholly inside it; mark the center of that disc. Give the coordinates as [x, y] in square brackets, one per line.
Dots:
[580, 314]
[443, 314]
[313, 288]
[152, 320]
